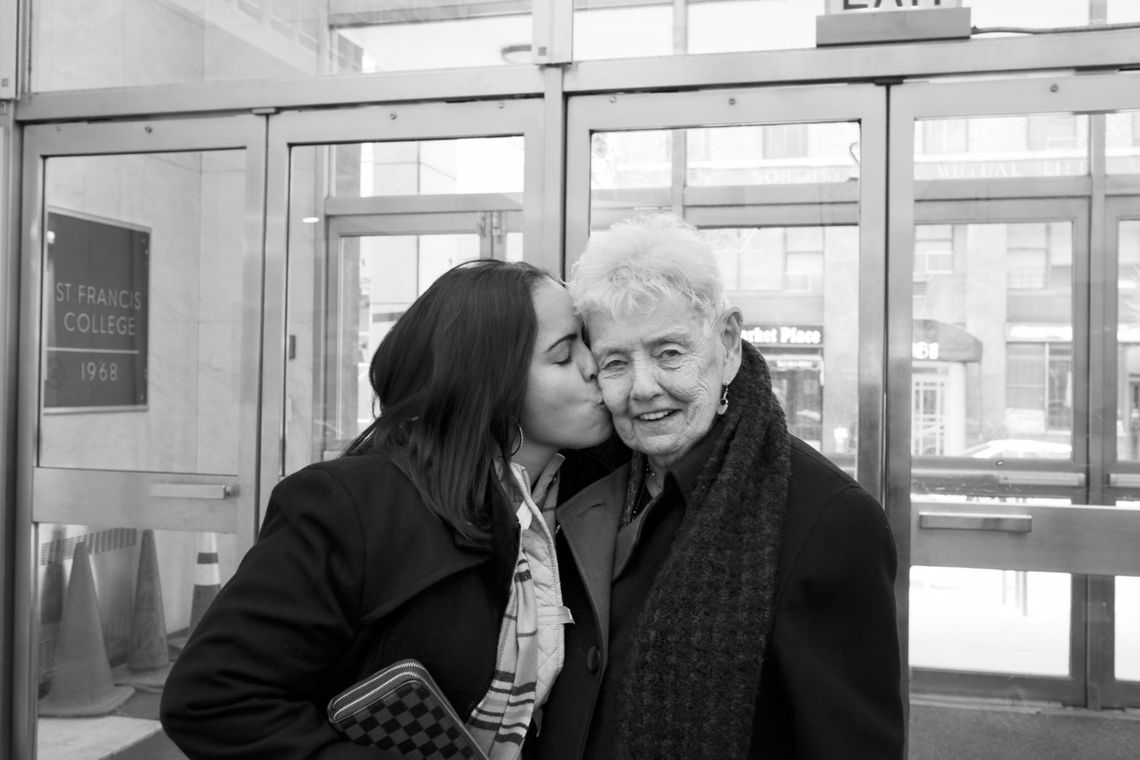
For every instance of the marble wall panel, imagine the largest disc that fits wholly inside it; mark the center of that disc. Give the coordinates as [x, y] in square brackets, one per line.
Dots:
[162, 44]
[159, 438]
[164, 189]
[76, 44]
[162, 193]
[90, 185]
[79, 44]
[218, 399]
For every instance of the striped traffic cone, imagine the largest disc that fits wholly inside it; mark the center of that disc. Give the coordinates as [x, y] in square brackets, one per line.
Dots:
[148, 657]
[207, 578]
[81, 683]
[207, 583]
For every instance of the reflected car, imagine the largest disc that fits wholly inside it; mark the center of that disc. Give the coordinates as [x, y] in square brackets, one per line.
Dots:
[1018, 448]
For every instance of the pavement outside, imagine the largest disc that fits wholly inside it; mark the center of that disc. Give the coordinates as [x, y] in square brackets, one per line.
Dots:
[132, 732]
[939, 730]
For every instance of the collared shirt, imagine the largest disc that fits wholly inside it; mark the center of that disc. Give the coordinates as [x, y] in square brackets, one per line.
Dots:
[642, 547]
[679, 482]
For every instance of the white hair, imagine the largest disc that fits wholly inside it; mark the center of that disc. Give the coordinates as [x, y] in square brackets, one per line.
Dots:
[640, 261]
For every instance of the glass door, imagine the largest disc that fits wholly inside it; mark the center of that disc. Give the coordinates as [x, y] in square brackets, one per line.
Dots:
[1010, 461]
[382, 264]
[1120, 666]
[788, 184]
[138, 384]
[996, 399]
[372, 208]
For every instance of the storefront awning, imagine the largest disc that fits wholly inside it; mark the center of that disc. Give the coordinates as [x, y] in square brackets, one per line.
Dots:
[943, 342]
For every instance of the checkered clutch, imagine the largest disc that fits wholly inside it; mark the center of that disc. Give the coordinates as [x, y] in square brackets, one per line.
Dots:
[400, 708]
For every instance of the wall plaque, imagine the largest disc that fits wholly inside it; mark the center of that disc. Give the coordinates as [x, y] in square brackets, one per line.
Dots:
[96, 293]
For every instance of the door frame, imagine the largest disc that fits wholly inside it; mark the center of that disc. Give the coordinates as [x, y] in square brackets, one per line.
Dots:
[341, 215]
[212, 503]
[839, 203]
[1122, 202]
[490, 217]
[1092, 94]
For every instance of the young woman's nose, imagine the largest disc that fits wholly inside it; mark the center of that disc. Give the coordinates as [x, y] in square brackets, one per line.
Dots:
[587, 365]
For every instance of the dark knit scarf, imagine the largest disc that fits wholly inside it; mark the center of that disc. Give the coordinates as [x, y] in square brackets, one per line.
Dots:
[694, 670]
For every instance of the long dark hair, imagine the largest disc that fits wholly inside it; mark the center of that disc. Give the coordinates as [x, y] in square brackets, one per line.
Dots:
[451, 378]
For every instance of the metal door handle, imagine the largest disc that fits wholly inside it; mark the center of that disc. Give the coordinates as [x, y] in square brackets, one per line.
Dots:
[1035, 478]
[189, 490]
[963, 521]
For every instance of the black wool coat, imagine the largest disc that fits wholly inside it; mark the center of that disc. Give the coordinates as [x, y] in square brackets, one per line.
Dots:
[830, 682]
[350, 572]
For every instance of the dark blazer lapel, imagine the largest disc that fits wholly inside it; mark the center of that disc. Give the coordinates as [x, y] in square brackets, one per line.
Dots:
[589, 521]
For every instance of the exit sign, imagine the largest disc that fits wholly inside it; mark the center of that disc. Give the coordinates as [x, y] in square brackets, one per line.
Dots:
[843, 6]
[863, 22]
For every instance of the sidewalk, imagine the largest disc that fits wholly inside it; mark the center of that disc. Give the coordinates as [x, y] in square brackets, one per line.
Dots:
[131, 733]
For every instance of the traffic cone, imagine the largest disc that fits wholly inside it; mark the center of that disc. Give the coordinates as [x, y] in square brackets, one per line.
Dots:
[207, 583]
[81, 682]
[207, 578]
[148, 658]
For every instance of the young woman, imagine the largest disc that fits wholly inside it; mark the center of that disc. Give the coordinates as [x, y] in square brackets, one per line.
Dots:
[431, 538]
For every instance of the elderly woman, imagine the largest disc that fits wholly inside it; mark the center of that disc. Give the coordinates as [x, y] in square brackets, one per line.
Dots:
[750, 581]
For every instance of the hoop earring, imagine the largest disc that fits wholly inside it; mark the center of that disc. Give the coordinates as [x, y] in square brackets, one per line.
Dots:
[723, 400]
[519, 445]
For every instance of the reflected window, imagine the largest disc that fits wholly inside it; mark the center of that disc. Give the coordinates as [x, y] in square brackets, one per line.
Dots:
[1051, 131]
[785, 141]
[992, 350]
[791, 284]
[1027, 262]
[803, 264]
[1122, 142]
[787, 259]
[1128, 341]
[429, 167]
[943, 136]
[1127, 627]
[933, 251]
[775, 154]
[928, 411]
[726, 156]
[1039, 383]
[1001, 147]
[762, 155]
[750, 259]
[631, 159]
[153, 42]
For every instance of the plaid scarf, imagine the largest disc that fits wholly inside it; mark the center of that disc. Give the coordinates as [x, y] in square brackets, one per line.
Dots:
[531, 648]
